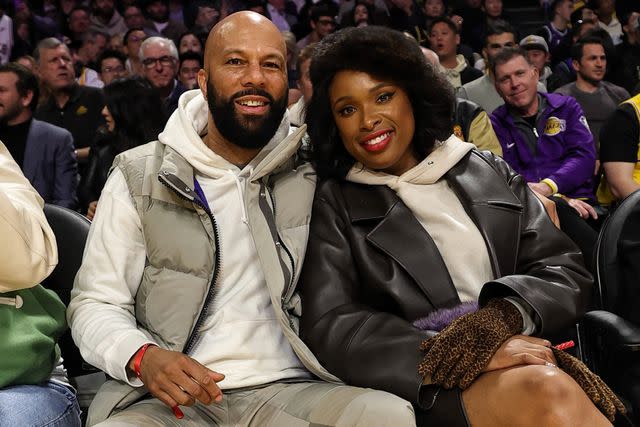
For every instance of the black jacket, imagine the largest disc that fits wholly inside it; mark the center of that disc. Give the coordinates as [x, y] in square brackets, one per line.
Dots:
[371, 269]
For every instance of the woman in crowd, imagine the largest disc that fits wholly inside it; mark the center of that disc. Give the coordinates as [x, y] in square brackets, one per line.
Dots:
[414, 232]
[134, 116]
[189, 42]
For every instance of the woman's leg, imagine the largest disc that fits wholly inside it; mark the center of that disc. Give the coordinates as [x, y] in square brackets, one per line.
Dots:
[531, 395]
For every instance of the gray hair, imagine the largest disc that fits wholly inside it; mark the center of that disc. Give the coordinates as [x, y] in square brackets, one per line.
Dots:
[164, 42]
[46, 44]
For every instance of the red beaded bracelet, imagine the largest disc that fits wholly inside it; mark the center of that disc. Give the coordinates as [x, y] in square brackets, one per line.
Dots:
[138, 359]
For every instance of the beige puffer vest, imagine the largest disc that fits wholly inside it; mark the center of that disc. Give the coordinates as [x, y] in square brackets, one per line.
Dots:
[181, 239]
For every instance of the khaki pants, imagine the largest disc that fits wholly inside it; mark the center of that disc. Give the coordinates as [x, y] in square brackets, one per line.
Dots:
[304, 404]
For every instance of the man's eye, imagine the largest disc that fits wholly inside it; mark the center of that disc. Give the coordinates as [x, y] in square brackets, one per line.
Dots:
[274, 65]
[233, 61]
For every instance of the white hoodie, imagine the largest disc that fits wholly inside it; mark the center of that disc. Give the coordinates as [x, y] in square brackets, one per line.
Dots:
[241, 337]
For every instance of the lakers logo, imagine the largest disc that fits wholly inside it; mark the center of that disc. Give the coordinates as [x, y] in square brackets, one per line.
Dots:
[81, 110]
[457, 131]
[554, 126]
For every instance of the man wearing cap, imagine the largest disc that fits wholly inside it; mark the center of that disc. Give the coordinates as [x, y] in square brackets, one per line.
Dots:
[598, 98]
[538, 54]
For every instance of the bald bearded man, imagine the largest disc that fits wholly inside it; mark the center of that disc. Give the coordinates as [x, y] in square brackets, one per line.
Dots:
[187, 296]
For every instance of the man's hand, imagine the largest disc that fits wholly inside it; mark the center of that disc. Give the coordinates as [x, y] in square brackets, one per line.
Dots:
[177, 379]
[584, 209]
[521, 350]
[541, 188]
[91, 211]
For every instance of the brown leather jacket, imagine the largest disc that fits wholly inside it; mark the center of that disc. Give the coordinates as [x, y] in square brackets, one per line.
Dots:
[371, 269]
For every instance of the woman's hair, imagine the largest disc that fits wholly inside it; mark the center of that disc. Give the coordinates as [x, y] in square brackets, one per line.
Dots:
[387, 55]
[137, 112]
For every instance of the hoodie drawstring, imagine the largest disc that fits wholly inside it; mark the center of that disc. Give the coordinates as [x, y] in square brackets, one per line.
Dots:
[240, 195]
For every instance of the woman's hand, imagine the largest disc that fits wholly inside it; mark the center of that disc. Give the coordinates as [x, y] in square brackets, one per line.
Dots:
[521, 350]
[457, 355]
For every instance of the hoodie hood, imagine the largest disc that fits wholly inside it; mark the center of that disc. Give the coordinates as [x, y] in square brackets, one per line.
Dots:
[188, 125]
[444, 156]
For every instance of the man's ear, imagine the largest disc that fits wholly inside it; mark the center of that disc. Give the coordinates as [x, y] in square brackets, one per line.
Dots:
[202, 82]
[485, 55]
[576, 65]
[25, 101]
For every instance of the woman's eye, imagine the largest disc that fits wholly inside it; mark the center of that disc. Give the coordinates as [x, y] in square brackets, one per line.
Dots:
[346, 111]
[385, 97]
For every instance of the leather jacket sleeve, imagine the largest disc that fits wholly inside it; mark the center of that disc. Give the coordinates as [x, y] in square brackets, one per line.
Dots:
[549, 273]
[357, 343]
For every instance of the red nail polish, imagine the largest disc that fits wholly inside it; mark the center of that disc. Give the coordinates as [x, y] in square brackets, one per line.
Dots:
[177, 412]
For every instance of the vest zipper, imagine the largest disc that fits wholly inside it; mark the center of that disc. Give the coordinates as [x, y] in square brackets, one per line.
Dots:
[186, 195]
[285, 294]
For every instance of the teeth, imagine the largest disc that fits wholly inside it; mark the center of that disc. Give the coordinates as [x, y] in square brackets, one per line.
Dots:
[252, 103]
[377, 139]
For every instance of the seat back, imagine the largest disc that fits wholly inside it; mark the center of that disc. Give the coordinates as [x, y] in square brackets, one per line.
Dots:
[71, 230]
[609, 276]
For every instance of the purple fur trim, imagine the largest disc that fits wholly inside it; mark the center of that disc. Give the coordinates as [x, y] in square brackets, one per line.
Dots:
[440, 319]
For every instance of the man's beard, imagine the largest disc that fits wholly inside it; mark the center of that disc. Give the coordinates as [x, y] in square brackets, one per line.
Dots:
[245, 130]
[9, 113]
[590, 80]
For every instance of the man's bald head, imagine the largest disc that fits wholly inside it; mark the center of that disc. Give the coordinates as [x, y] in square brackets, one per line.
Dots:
[430, 56]
[242, 26]
[245, 79]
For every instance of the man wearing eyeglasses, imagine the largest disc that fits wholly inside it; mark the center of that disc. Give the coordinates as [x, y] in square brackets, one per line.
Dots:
[159, 57]
[482, 91]
[322, 23]
[111, 66]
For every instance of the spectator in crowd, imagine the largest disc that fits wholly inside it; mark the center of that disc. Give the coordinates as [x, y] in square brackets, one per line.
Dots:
[619, 154]
[607, 19]
[189, 42]
[493, 10]
[444, 40]
[133, 17]
[544, 137]
[28, 62]
[111, 65]
[627, 74]
[538, 54]
[116, 42]
[472, 24]
[206, 16]
[257, 6]
[376, 11]
[159, 24]
[69, 105]
[159, 58]
[563, 72]
[292, 54]
[322, 23]
[556, 32]
[6, 35]
[470, 122]
[93, 44]
[132, 41]
[134, 116]
[34, 389]
[482, 91]
[282, 14]
[361, 15]
[598, 98]
[79, 22]
[297, 110]
[215, 161]
[407, 16]
[189, 65]
[433, 9]
[402, 221]
[44, 152]
[106, 19]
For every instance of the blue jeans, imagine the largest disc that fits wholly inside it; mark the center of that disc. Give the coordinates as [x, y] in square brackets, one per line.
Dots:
[48, 404]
